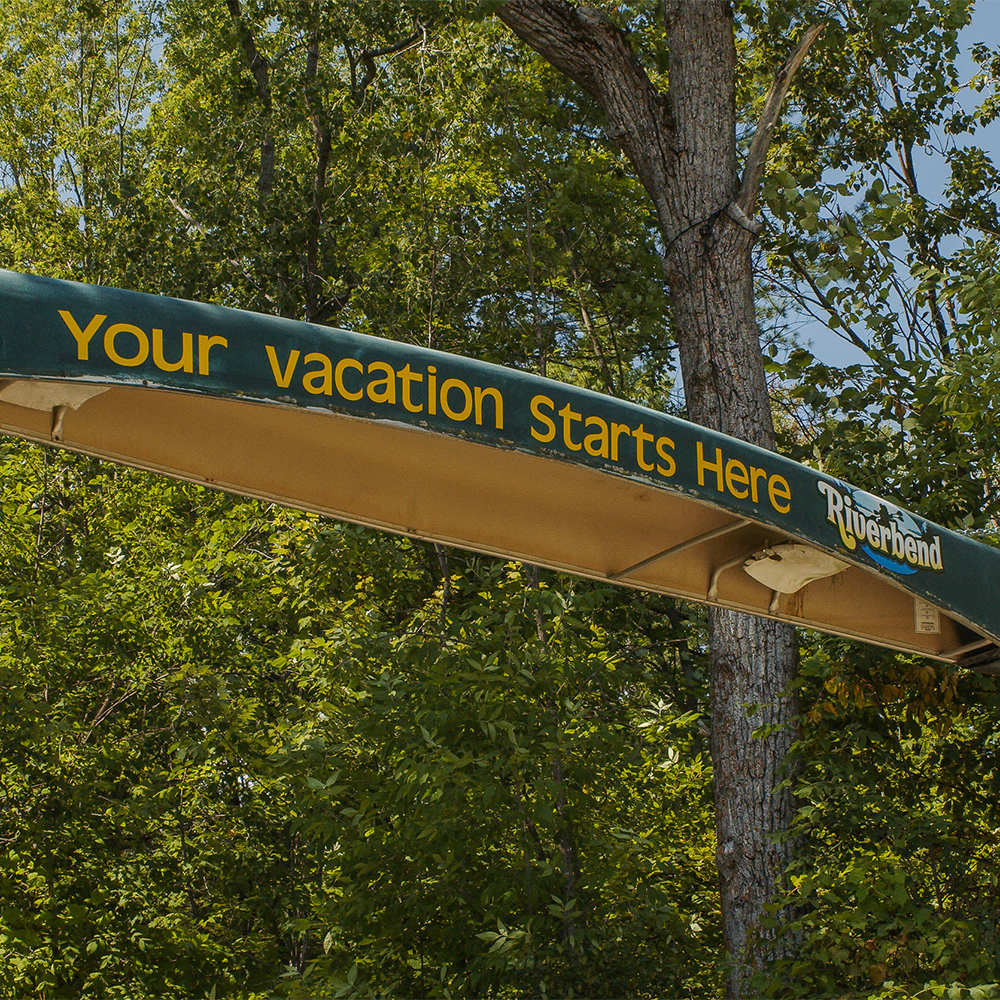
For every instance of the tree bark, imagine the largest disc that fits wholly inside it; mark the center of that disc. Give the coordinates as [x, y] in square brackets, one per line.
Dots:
[261, 69]
[316, 310]
[682, 146]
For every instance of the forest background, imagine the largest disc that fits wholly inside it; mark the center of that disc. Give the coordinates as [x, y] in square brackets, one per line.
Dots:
[248, 752]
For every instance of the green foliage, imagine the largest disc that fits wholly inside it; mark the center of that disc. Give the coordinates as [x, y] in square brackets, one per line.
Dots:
[143, 851]
[502, 797]
[899, 784]
[244, 750]
[75, 85]
[967, 383]
[859, 242]
[248, 753]
[454, 208]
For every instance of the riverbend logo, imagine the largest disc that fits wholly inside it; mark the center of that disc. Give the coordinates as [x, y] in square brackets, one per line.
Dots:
[888, 535]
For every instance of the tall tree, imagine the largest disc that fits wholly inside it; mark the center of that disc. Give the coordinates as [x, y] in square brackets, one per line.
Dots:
[489, 843]
[681, 142]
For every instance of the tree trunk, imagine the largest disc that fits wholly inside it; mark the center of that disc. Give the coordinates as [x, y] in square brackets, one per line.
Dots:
[752, 661]
[683, 148]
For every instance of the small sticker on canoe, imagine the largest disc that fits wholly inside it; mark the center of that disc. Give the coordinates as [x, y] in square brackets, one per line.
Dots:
[926, 617]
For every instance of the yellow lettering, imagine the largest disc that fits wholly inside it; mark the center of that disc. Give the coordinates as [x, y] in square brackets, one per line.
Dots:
[281, 378]
[669, 459]
[338, 378]
[82, 337]
[109, 344]
[736, 472]
[756, 474]
[324, 374]
[935, 554]
[923, 553]
[432, 398]
[205, 344]
[187, 353]
[886, 533]
[550, 433]
[456, 383]
[871, 533]
[835, 513]
[846, 535]
[596, 444]
[481, 394]
[569, 415]
[640, 436]
[703, 466]
[617, 430]
[777, 489]
[387, 394]
[406, 377]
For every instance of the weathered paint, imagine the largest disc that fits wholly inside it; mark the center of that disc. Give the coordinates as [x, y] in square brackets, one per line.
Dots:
[67, 331]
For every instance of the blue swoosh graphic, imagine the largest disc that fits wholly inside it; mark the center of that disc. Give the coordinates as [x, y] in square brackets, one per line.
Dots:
[890, 564]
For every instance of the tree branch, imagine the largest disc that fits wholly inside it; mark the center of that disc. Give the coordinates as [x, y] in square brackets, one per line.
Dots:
[578, 41]
[746, 200]
[584, 44]
[260, 67]
[823, 299]
[368, 57]
[186, 215]
[323, 141]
